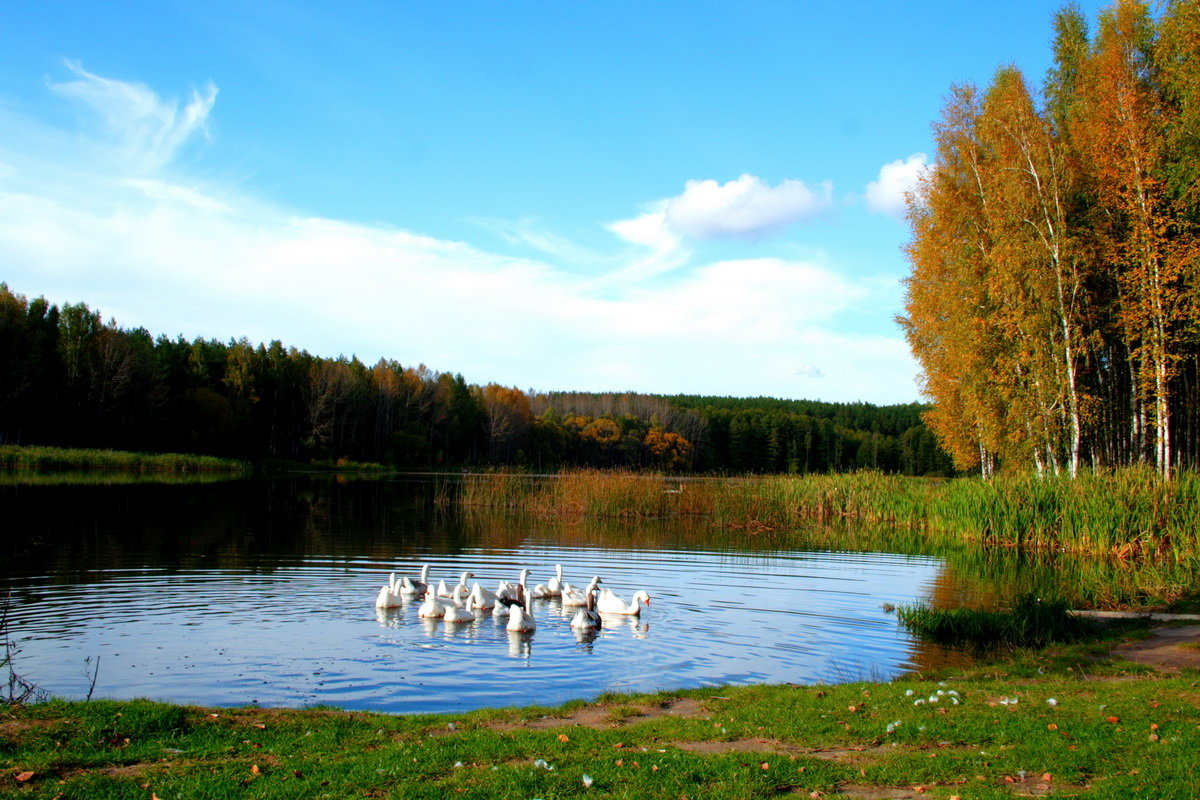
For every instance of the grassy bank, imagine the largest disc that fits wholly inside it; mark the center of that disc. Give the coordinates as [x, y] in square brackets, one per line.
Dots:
[1128, 514]
[994, 732]
[23, 460]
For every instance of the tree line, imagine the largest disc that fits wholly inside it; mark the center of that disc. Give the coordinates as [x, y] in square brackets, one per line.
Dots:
[1052, 302]
[69, 379]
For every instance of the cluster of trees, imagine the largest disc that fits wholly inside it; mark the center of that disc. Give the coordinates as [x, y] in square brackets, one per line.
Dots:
[1053, 298]
[69, 379]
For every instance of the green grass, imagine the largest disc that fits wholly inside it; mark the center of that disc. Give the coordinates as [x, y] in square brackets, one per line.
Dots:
[1030, 621]
[989, 732]
[28, 464]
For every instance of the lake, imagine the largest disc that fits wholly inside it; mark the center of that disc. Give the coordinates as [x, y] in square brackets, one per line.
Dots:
[263, 592]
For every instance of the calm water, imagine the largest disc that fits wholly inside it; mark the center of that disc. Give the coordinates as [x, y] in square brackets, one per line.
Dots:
[264, 592]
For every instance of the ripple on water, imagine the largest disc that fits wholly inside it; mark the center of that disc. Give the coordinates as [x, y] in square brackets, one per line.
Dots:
[306, 632]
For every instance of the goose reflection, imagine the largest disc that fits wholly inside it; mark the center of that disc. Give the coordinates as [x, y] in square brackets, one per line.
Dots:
[388, 618]
[520, 644]
[585, 637]
[613, 623]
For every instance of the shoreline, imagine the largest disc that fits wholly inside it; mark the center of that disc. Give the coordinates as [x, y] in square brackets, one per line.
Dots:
[1075, 720]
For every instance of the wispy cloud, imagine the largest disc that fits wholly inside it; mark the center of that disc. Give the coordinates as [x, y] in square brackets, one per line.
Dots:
[886, 194]
[161, 248]
[145, 130]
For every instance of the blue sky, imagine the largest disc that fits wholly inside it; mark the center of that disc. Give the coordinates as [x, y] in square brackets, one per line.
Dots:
[663, 197]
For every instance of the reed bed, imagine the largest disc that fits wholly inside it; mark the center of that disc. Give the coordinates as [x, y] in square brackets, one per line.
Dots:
[1029, 621]
[22, 458]
[1128, 514]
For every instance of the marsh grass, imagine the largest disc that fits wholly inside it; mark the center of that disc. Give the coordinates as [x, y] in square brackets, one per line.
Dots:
[17, 461]
[1030, 621]
[1129, 514]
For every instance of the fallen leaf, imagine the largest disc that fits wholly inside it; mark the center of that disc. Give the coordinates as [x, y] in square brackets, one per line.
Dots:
[1052, 727]
[562, 737]
[765, 765]
[620, 762]
[254, 770]
[24, 776]
[1154, 737]
[260, 726]
[1153, 726]
[618, 745]
[654, 767]
[1113, 719]
[852, 709]
[1047, 777]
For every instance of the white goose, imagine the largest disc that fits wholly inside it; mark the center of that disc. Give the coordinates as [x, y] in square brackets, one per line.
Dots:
[575, 598]
[460, 613]
[415, 587]
[519, 618]
[587, 618]
[431, 608]
[435, 607]
[611, 604]
[389, 596]
[553, 587]
[555, 584]
[444, 591]
[483, 598]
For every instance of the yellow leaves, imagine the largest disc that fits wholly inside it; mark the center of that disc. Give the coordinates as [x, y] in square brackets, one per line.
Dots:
[562, 737]
[24, 777]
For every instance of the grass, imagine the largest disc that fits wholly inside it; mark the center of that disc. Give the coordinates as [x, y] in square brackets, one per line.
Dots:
[1030, 621]
[19, 463]
[996, 731]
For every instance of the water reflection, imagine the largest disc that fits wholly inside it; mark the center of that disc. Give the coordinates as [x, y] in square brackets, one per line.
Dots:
[227, 593]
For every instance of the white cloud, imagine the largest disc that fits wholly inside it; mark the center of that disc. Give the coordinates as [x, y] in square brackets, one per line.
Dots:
[182, 257]
[743, 207]
[145, 130]
[746, 207]
[809, 371]
[885, 194]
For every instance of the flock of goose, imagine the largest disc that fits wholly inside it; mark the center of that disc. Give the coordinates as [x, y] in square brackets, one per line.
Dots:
[513, 600]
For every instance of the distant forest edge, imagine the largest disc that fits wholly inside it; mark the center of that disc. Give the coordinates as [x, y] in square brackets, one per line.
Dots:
[67, 379]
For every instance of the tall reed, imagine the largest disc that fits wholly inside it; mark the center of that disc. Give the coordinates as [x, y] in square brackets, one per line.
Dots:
[56, 459]
[1128, 514]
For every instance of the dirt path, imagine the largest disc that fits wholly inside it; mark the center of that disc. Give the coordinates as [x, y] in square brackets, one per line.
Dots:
[1165, 649]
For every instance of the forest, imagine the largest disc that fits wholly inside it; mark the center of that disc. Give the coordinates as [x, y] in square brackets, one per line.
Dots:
[1052, 303]
[69, 379]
